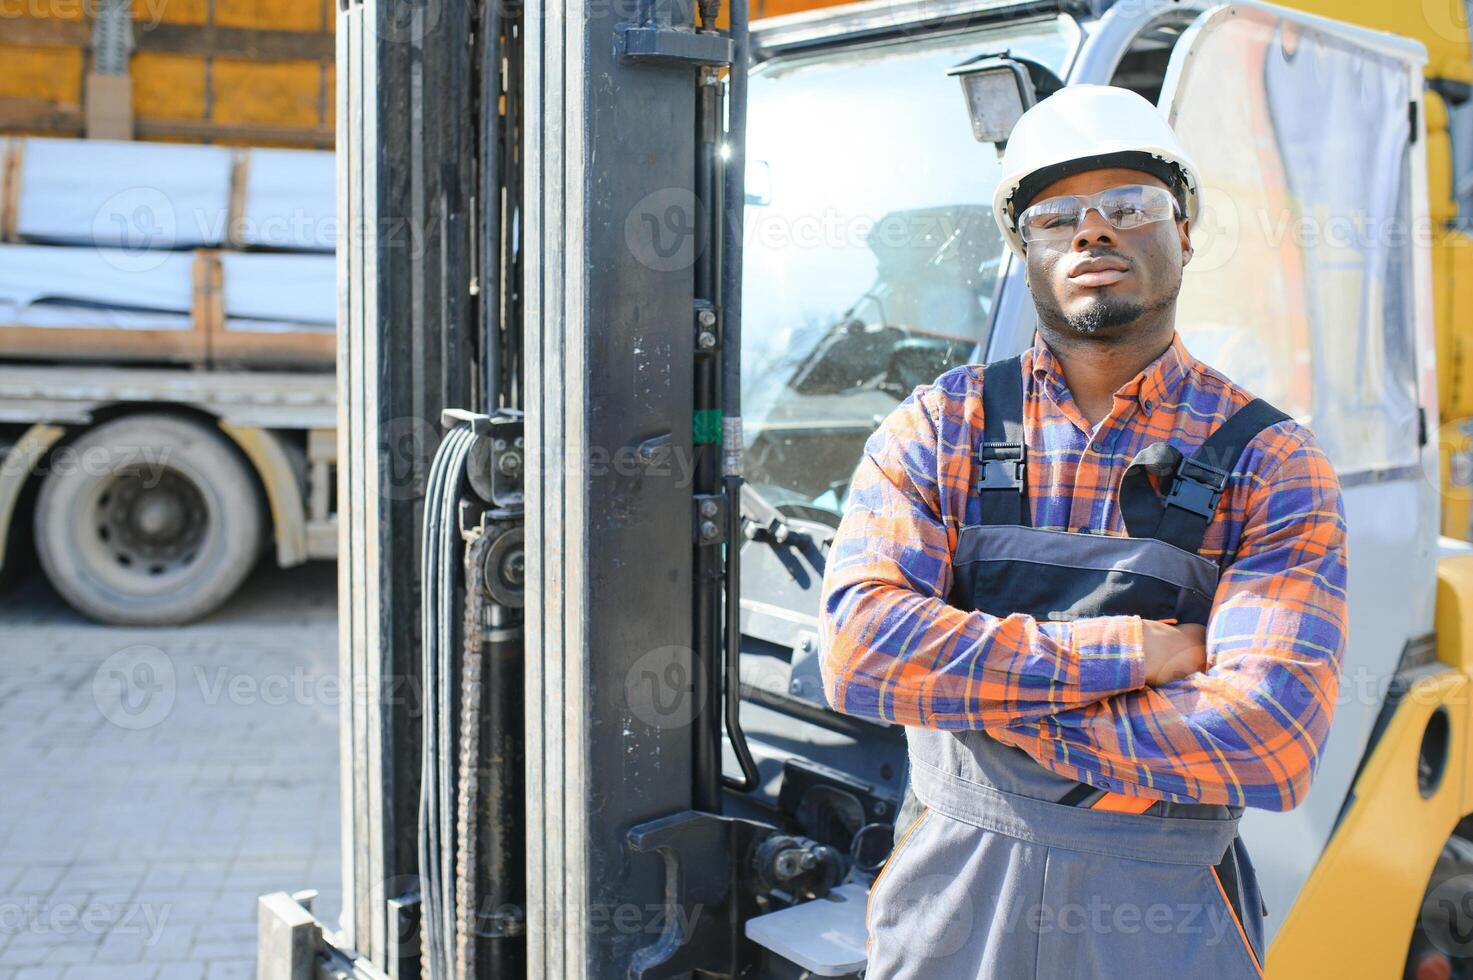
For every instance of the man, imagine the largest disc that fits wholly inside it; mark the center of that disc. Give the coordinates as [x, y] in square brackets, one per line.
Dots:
[1104, 590]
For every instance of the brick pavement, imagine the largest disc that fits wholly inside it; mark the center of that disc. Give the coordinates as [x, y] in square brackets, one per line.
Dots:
[154, 782]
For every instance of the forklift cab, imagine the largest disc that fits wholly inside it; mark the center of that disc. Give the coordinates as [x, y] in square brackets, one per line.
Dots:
[620, 562]
[872, 264]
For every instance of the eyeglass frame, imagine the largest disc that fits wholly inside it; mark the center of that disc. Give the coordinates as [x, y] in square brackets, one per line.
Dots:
[1090, 202]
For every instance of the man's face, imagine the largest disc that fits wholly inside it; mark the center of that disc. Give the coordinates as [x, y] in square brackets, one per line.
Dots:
[1104, 281]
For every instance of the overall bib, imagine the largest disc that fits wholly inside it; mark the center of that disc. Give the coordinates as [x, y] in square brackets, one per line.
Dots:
[1007, 870]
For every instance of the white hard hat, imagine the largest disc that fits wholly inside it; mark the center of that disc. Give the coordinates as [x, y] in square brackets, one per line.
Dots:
[1086, 127]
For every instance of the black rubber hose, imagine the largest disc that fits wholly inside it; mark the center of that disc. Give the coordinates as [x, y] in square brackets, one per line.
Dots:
[734, 199]
[706, 625]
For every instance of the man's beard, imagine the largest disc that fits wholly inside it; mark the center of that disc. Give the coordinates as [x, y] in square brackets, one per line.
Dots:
[1102, 315]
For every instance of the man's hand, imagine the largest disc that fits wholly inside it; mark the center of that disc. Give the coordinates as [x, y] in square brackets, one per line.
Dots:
[1173, 652]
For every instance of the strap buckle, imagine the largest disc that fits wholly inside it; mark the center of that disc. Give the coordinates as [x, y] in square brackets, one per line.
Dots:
[1197, 488]
[1002, 467]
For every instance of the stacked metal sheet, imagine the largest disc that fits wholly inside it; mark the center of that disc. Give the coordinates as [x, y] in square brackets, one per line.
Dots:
[196, 252]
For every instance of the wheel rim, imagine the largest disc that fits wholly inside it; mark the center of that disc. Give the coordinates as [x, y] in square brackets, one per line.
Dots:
[150, 525]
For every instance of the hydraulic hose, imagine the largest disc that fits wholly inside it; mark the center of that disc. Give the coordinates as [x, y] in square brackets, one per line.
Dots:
[734, 198]
[439, 567]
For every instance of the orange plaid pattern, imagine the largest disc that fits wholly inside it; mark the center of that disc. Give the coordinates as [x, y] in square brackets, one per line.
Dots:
[1246, 732]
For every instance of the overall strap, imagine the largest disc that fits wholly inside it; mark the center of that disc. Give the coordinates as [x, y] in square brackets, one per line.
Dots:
[1201, 478]
[1002, 463]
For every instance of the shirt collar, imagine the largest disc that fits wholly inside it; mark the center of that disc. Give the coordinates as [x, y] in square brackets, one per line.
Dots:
[1153, 386]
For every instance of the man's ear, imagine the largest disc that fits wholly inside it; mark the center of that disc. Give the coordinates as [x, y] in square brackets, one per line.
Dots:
[1185, 231]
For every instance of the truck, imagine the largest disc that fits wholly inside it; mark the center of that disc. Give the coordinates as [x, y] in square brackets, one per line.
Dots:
[687, 267]
[167, 283]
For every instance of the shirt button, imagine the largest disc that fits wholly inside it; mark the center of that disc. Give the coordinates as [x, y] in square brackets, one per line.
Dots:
[1148, 404]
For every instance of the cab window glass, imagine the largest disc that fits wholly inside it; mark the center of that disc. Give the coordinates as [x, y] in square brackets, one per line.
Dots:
[1300, 288]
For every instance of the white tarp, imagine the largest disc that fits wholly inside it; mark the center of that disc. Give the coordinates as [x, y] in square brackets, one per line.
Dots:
[290, 200]
[273, 292]
[51, 286]
[123, 194]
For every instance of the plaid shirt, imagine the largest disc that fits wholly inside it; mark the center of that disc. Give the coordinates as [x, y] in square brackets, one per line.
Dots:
[1245, 732]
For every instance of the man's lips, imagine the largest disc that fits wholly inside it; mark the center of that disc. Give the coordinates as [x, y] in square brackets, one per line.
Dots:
[1104, 277]
[1092, 273]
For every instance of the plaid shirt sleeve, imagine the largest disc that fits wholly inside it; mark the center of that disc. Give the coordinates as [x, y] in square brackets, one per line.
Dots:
[1249, 730]
[894, 650]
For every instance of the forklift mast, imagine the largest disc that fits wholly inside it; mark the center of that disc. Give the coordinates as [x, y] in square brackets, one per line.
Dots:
[540, 413]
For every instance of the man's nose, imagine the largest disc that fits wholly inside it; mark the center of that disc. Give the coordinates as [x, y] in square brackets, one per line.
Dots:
[1093, 230]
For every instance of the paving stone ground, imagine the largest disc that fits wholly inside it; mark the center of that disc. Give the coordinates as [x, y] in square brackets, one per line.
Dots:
[154, 782]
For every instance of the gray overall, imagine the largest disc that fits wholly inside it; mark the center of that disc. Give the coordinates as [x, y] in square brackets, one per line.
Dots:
[1003, 869]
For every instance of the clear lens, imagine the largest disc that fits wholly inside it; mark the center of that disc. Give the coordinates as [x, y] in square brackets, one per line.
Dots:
[1124, 207]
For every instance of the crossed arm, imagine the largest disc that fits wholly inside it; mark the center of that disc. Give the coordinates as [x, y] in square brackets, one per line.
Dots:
[1247, 731]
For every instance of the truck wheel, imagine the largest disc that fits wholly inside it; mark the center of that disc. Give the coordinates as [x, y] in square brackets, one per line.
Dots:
[147, 520]
[1441, 942]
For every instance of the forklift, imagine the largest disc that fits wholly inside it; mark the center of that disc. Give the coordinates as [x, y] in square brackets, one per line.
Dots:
[596, 431]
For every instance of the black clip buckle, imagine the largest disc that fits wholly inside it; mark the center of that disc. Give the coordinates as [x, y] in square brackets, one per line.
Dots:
[1002, 468]
[1197, 494]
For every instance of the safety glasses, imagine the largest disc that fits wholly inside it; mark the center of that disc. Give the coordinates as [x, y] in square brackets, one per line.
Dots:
[1124, 207]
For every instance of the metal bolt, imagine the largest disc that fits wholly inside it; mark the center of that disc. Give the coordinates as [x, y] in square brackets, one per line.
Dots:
[708, 508]
[707, 318]
[796, 687]
[707, 339]
[514, 572]
[509, 464]
[520, 442]
[708, 530]
[500, 444]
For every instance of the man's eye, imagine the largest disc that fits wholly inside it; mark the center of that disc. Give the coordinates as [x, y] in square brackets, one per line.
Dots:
[1058, 220]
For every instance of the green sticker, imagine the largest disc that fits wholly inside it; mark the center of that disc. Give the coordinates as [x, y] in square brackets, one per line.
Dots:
[706, 427]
